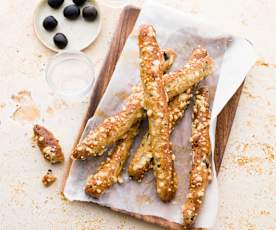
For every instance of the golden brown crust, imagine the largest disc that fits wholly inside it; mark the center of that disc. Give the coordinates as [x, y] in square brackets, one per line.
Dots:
[112, 129]
[142, 159]
[199, 66]
[201, 150]
[48, 144]
[156, 104]
[48, 179]
[109, 171]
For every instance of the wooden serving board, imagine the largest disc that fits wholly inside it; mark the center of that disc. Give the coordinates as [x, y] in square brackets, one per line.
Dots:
[224, 121]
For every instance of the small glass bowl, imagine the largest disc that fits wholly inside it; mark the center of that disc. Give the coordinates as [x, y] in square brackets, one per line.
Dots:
[70, 74]
[115, 3]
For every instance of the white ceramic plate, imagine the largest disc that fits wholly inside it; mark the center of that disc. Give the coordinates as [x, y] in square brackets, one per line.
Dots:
[80, 33]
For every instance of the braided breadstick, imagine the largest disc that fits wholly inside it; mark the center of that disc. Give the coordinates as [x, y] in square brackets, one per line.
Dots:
[156, 104]
[141, 162]
[48, 144]
[201, 151]
[109, 171]
[113, 128]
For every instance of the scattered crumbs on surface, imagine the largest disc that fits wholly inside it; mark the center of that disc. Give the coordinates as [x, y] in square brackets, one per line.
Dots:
[269, 152]
[100, 113]
[2, 105]
[35, 205]
[247, 93]
[122, 225]
[243, 160]
[123, 95]
[50, 110]
[62, 197]
[143, 199]
[250, 226]
[26, 109]
[18, 188]
[254, 164]
[245, 147]
[21, 96]
[248, 124]
[26, 113]
[262, 63]
[56, 106]
[94, 224]
[264, 213]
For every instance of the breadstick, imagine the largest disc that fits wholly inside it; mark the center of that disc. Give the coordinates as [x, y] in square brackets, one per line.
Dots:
[169, 56]
[48, 144]
[113, 128]
[156, 104]
[142, 159]
[201, 151]
[109, 171]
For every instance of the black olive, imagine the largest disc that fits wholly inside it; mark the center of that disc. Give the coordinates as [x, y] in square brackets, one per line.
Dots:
[166, 57]
[71, 12]
[60, 40]
[50, 23]
[89, 13]
[55, 3]
[79, 2]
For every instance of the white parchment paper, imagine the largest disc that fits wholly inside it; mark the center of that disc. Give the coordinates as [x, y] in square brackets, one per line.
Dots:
[233, 58]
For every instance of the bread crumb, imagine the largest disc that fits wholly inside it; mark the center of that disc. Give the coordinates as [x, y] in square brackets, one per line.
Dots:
[49, 178]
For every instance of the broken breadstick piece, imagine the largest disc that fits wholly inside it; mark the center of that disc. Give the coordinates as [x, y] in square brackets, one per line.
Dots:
[49, 178]
[199, 66]
[156, 104]
[48, 144]
[200, 174]
[109, 171]
[142, 159]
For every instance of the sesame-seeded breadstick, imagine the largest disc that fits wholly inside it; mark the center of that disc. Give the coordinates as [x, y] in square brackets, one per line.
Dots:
[107, 174]
[169, 56]
[48, 144]
[201, 151]
[156, 104]
[109, 171]
[142, 159]
[199, 66]
[113, 128]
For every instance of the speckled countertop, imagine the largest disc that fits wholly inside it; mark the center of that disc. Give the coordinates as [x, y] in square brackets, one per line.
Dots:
[248, 173]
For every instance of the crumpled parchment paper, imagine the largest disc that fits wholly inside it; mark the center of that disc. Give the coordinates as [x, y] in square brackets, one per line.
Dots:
[233, 58]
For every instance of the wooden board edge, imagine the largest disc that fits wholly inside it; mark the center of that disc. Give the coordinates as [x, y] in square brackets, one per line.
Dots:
[102, 81]
[224, 125]
[99, 90]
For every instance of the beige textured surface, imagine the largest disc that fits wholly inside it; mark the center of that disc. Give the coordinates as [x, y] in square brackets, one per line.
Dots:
[248, 174]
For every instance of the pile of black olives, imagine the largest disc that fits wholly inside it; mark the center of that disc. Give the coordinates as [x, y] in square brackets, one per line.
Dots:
[71, 12]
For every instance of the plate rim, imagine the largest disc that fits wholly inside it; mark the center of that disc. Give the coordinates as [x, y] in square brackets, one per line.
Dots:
[57, 50]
